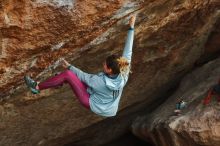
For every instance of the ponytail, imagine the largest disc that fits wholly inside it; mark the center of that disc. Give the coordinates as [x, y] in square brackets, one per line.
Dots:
[119, 65]
[123, 65]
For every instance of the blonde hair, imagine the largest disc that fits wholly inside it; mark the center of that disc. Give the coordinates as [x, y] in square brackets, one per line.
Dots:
[124, 66]
[119, 65]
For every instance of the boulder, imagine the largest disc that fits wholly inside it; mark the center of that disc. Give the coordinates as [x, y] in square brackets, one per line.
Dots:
[197, 124]
[170, 39]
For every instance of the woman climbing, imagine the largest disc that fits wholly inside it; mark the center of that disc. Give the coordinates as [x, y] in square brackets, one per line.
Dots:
[215, 90]
[98, 92]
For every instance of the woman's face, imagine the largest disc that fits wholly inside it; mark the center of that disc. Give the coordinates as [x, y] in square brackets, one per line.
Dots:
[106, 69]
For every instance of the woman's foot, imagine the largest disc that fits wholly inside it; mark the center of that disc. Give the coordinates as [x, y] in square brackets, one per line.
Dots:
[31, 84]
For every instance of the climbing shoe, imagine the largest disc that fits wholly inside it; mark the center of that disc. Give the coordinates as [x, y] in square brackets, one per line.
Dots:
[31, 84]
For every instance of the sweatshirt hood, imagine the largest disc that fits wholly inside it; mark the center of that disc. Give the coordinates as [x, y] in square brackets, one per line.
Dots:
[114, 83]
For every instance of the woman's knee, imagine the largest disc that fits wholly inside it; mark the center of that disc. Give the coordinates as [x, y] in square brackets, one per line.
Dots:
[68, 72]
[69, 75]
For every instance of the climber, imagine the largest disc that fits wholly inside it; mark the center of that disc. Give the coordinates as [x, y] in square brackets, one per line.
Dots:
[215, 90]
[100, 92]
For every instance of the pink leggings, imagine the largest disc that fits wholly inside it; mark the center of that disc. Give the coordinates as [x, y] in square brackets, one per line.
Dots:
[78, 87]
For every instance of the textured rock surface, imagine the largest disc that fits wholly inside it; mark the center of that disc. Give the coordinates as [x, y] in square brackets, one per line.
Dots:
[197, 125]
[170, 37]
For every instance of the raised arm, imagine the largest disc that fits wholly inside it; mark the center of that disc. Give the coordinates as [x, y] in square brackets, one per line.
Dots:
[127, 52]
[83, 76]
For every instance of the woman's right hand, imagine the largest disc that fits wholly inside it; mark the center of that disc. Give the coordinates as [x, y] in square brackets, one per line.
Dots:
[64, 63]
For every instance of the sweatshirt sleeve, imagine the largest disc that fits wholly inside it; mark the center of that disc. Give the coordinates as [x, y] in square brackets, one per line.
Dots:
[127, 52]
[84, 77]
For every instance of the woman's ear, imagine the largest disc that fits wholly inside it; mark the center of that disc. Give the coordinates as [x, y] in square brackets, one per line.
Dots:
[109, 70]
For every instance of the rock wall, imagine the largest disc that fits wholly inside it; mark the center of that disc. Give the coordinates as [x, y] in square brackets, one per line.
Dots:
[197, 124]
[170, 38]
[36, 33]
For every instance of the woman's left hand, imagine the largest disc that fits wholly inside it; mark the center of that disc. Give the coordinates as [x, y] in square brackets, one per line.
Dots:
[64, 63]
[132, 21]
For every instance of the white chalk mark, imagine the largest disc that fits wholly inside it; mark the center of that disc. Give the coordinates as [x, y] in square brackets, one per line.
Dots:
[57, 46]
[127, 8]
[7, 20]
[58, 3]
[33, 62]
